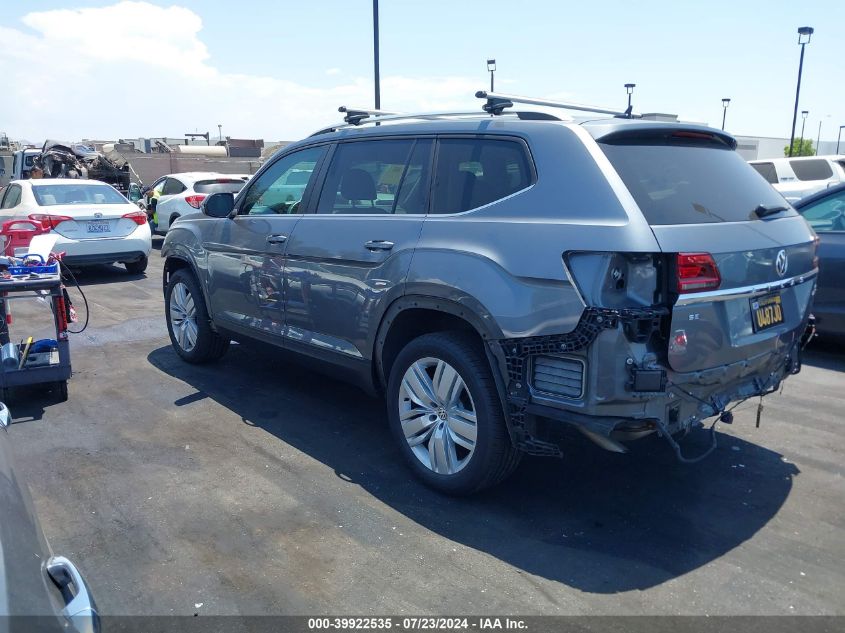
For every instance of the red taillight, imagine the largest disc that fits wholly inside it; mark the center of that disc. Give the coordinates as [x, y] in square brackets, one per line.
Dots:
[697, 271]
[49, 221]
[195, 201]
[138, 217]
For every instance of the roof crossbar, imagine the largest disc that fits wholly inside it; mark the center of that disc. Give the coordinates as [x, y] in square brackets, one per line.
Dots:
[497, 102]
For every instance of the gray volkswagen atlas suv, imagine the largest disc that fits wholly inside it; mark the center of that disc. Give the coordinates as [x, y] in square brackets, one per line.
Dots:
[498, 278]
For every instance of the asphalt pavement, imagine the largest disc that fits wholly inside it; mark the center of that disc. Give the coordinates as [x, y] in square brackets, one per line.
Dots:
[256, 486]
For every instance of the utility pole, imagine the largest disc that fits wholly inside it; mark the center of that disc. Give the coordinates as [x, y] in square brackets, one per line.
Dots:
[803, 32]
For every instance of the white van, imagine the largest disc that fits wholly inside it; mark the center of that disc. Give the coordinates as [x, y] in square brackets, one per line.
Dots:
[798, 177]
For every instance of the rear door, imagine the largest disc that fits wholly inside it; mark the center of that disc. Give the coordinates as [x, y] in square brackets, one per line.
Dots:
[827, 217]
[741, 259]
[350, 258]
[246, 253]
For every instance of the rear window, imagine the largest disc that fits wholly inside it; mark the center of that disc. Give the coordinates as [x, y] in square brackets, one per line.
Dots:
[767, 171]
[685, 183]
[811, 169]
[219, 186]
[53, 195]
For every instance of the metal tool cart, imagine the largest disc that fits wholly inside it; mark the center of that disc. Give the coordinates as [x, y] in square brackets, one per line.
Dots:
[52, 366]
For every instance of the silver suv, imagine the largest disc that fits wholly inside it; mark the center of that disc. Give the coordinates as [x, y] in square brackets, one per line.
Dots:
[500, 277]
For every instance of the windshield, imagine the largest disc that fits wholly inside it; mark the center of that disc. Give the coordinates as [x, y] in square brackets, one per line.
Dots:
[219, 186]
[675, 183]
[54, 195]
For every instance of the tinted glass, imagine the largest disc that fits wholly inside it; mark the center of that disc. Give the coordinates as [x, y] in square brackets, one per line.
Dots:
[53, 195]
[380, 176]
[172, 187]
[12, 197]
[767, 171]
[218, 186]
[811, 169]
[281, 187]
[828, 214]
[679, 183]
[473, 172]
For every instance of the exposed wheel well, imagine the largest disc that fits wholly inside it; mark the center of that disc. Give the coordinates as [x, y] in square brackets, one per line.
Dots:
[173, 218]
[413, 322]
[172, 264]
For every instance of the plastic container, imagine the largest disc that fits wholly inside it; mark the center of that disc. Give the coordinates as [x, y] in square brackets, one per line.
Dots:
[43, 269]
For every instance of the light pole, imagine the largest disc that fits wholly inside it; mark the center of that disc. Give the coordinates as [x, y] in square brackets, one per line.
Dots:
[819, 137]
[375, 55]
[725, 104]
[629, 88]
[837, 138]
[804, 35]
[491, 67]
[804, 114]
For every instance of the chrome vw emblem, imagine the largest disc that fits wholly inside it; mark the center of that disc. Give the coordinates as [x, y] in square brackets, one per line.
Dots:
[781, 263]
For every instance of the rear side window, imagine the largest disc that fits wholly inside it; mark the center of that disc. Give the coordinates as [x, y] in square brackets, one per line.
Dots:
[171, 187]
[219, 186]
[473, 172]
[678, 182]
[811, 169]
[379, 176]
[767, 171]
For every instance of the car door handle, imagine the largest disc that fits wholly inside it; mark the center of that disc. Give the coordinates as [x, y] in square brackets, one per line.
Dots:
[378, 245]
[80, 608]
[277, 239]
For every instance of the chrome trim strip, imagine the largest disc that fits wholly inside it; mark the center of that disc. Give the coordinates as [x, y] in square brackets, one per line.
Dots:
[745, 291]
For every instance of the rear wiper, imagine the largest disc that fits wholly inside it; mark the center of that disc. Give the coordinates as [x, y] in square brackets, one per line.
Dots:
[769, 209]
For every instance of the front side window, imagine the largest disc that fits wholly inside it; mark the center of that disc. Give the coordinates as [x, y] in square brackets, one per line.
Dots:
[53, 195]
[12, 197]
[473, 172]
[767, 171]
[378, 176]
[818, 169]
[280, 189]
[827, 215]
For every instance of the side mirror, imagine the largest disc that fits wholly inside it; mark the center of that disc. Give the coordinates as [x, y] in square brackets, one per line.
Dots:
[218, 205]
[134, 192]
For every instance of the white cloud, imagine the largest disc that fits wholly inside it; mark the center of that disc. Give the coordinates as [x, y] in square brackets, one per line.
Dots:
[94, 73]
[333, 71]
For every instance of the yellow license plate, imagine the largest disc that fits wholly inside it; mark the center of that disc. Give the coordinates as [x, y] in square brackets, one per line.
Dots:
[766, 312]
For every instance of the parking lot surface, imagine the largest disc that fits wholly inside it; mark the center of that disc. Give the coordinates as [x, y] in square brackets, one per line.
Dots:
[255, 486]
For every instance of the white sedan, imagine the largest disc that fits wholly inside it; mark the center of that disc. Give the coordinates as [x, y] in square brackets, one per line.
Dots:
[93, 222]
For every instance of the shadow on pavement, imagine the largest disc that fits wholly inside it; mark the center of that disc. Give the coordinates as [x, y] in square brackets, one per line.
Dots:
[596, 521]
[825, 353]
[101, 274]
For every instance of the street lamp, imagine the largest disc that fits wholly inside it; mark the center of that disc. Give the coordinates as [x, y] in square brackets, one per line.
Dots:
[491, 67]
[837, 138]
[804, 114]
[725, 104]
[804, 35]
[375, 55]
[629, 88]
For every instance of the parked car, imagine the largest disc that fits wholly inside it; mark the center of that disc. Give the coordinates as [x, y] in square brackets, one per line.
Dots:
[46, 591]
[93, 222]
[500, 278]
[825, 211]
[801, 176]
[182, 194]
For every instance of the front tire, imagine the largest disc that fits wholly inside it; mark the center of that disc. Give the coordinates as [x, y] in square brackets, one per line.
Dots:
[445, 413]
[188, 323]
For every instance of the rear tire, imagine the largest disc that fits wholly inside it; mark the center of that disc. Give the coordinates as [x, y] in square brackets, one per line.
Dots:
[188, 323]
[136, 267]
[436, 437]
[61, 389]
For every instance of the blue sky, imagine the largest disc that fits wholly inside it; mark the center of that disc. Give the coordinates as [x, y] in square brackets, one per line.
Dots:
[277, 70]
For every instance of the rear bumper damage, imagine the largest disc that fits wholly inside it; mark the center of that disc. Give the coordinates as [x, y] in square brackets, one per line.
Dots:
[628, 389]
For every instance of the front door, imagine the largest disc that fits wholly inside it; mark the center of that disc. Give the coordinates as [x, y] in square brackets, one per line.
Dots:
[350, 258]
[246, 253]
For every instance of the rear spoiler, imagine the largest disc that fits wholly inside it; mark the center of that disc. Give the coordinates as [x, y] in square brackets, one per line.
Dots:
[657, 133]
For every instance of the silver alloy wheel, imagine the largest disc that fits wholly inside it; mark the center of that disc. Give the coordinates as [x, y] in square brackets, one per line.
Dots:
[437, 415]
[183, 317]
